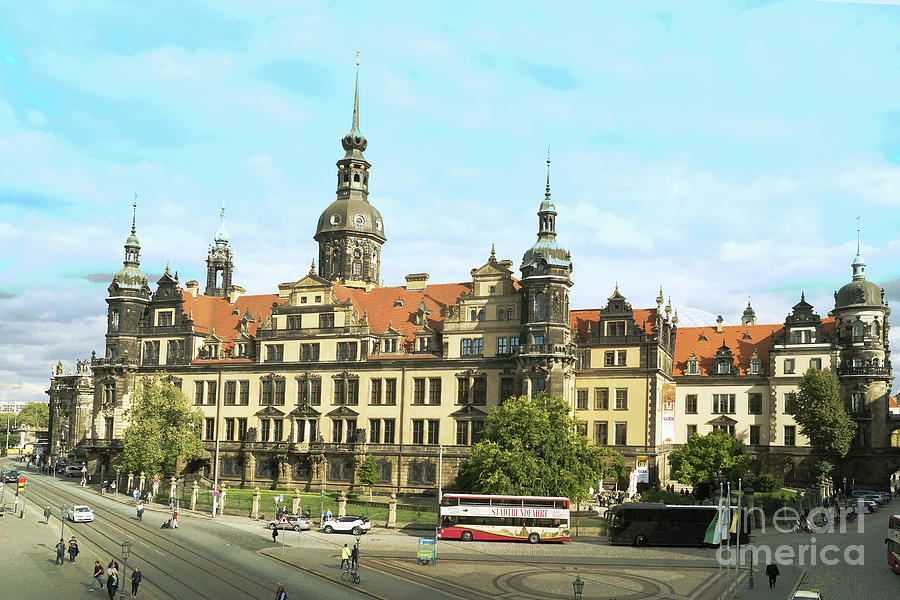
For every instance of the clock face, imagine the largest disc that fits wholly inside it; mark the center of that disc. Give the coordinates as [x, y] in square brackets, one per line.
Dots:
[359, 220]
[378, 224]
[335, 219]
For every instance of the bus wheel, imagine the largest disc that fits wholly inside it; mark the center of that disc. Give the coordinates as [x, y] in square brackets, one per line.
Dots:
[466, 536]
[896, 568]
[533, 538]
[640, 540]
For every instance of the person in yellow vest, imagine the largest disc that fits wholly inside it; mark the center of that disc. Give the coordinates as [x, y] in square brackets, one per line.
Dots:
[345, 557]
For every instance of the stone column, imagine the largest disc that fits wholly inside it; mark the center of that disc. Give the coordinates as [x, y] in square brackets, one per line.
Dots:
[194, 495]
[142, 480]
[392, 511]
[342, 505]
[254, 512]
[296, 502]
[222, 494]
[172, 488]
[130, 483]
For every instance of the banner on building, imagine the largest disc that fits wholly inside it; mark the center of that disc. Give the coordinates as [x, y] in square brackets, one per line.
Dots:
[668, 413]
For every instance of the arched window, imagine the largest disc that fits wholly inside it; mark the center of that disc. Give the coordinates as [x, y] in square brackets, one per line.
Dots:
[481, 315]
[474, 314]
[857, 330]
[356, 177]
[876, 329]
[875, 362]
[502, 314]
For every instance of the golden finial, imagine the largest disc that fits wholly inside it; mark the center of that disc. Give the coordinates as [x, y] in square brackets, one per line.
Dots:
[357, 58]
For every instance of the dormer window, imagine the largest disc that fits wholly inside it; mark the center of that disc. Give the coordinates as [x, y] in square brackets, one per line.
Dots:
[724, 368]
[693, 368]
[390, 345]
[240, 350]
[615, 328]
[702, 338]
[754, 367]
[424, 344]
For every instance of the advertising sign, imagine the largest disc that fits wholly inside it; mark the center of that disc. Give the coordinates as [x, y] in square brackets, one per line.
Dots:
[668, 413]
[643, 473]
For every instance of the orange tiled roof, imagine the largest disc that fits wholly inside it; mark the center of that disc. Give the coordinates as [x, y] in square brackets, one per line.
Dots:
[582, 320]
[380, 305]
[892, 402]
[211, 313]
[688, 340]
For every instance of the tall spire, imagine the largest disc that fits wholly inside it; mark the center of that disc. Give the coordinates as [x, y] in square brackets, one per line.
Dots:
[133, 214]
[547, 192]
[859, 263]
[221, 236]
[354, 142]
[354, 128]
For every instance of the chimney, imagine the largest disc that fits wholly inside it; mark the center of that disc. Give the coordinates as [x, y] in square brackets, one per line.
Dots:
[234, 293]
[192, 287]
[416, 281]
[719, 320]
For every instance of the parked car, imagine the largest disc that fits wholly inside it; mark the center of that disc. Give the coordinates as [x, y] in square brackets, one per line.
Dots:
[72, 471]
[11, 477]
[354, 524]
[812, 594]
[862, 505]
[885, 496]
[296, 523]
[80, 514]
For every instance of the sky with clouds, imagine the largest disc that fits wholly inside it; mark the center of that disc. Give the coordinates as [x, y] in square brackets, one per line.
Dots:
[721, 149]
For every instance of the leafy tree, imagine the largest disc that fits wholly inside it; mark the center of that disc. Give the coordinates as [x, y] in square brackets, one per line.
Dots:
[368, 473]
[532, 447]
[35, 414]
[705, 457]
[13, 440]
[818, 409]
[163, 429]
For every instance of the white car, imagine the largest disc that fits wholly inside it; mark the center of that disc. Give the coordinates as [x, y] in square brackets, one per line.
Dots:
[353, 524]
[80, 514]
[812, 594]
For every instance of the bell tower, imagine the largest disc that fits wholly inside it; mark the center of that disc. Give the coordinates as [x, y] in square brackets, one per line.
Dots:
[219, 260]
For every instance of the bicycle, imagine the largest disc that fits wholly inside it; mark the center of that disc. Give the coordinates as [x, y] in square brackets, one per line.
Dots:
[349, 574]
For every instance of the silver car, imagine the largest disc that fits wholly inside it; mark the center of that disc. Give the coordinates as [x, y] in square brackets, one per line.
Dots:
[294, 522]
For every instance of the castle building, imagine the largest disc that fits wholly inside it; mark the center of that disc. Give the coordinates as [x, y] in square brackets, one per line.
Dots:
[299, 385]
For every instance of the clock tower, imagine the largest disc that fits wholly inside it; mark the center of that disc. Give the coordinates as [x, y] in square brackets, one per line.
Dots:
[350, 231]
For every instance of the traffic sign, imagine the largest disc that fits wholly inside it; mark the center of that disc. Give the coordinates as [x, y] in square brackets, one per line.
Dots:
[284, 520]
[21, 484]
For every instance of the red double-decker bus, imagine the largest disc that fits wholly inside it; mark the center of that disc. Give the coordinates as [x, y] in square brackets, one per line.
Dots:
[511, 518]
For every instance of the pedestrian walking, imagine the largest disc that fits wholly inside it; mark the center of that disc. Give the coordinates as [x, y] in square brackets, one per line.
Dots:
[61, 552]
[280, 594]
[171, 502]
[112, 582]
[73, 550]
[47, 513]
[140, 512]
[137, 494]
[136, 578]
[772, 572]
[98, 575]
[275, 534]
[345, 557]
[175, 519]
[354, 557]
[149, 497]
[328, 515]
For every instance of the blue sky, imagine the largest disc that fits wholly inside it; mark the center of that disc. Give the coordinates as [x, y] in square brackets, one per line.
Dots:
[721, 150]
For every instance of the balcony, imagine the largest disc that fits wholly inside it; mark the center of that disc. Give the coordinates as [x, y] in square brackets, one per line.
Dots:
[543, 349]
[121, 362]
[864, 371]
[861, 415]
[101, 443]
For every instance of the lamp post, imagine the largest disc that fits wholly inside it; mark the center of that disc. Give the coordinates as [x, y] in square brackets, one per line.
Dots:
[116, 491]
[126, 552]
[578, 587]
[62, 521]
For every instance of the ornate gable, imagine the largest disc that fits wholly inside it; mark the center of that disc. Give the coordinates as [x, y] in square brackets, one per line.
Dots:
[269, 411]
[343, 411]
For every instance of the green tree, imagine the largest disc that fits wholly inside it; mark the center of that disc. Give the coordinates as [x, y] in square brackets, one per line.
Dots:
[368, 473]
[532, 447]
[818, 409]
[163, 428]
[35, 414]
[706, 457]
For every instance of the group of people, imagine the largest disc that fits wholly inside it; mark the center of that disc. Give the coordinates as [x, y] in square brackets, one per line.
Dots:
[111, 571]
[350, 557]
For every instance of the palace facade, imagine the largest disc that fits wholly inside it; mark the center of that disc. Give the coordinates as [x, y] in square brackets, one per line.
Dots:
[297, 386]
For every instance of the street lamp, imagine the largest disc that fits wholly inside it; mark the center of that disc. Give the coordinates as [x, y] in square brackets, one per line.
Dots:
[116, 491]
[578, 587]
[126, 552]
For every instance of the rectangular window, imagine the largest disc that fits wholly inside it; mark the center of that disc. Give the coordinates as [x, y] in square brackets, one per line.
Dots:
[313, 430]
[434, 431]
[278, 400]
[478, 346]
[621, 433]
[462, 433]
[462, 390]
[418, 431]
[506, 388]
[424, 344]
[351, 431]
[211, 392]
[477, 431]
[174, 351]
[754, 404]
[266, 389]
[621, 398]
[309, 352]
[277, 430]
[620, 358]
[723, 404]
[229, 430]
[337, 431]
[346, 350]
[790, 435]
[302, 391]
[434, 391]
[479, 390]
[242, 428]
[353, 392]
[691, 430]
[513, 344]
[375, 384]
[389, 431]
[724, 368]
[274, 352]
[502, 345]
[581, 428]
[109, 431]
[164, 318]
[315, 392]
[857, 402]
[338, 397]
[615, 328]
[815, 363]
[374, 431]
[581, 399]
[264, 430]
[609, 358]
[199, 386]
[754, 435]
[419, 390]
[690, 404]
[151, 353]
[729, 429]
[601, 398]
[754, 367]
[294, 322]
[601, 433]
[326, 320]
[465, 347]
[244, 399]
[209, 429]
[230, 393]
[390, 391]
[788, 366]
